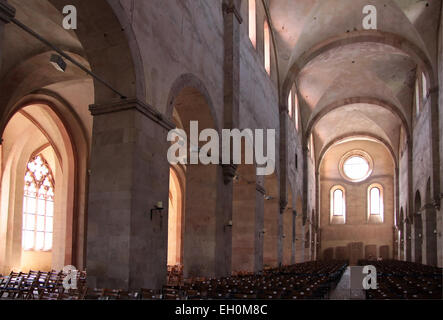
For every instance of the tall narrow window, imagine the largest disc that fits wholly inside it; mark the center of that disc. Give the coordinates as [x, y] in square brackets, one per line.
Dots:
[252, 23]
[424, 83]
[417, 98]
[38, 206]
[267, 47]
[311, 142]
[338, 206]
[338, 202]
[290, 104]
[375, 200]
[296, 111]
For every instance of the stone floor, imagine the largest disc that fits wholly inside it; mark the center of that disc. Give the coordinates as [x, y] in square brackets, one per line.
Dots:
[343, 290]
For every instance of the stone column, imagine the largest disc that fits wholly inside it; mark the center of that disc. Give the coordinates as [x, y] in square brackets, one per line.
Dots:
[126, 243]
[280, 234]
[408, 241]
[6, 14]
[302, 238]
[223, 248]
[438, 206]
[259, 224]
[232, 21]
[294, 236]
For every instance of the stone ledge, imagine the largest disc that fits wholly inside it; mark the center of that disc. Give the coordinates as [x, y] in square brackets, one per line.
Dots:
[136, 104]
[7, 12]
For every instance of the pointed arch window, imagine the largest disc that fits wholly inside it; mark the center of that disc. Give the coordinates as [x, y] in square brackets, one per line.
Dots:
[38, 205]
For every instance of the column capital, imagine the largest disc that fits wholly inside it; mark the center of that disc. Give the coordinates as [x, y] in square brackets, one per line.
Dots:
[7, 12]
[128, 104]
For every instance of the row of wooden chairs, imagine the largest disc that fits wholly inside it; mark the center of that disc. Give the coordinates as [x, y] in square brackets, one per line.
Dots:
[40, 285]
[406, 280]
[311, 280]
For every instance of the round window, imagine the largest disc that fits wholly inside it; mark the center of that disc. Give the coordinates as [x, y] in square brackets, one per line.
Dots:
[356, 166]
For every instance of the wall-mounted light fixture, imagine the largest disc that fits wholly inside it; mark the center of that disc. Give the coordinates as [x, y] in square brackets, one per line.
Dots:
[228, 225]
[435, 231]
[158, 208]
[58, 62]
[419, 235]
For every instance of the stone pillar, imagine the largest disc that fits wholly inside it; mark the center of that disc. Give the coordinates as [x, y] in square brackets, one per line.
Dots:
[439, 214]
[438, 206]
[280, 234]
[417, 238]
[294, 236]
[232, 21]
[430, 235]
[302, 238]
[408, 241]
[126, 243]
[223, 261]
[6, 14]
[259, 224]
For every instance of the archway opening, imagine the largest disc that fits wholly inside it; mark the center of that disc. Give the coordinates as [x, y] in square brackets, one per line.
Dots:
[199, 226]
[175, 218]
[38, 186]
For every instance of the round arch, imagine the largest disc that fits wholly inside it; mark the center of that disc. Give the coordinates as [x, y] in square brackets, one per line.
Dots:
[315, 118]
[123, 69]
[47, 126]
[375, 36]
[356, 135]
[188, 81]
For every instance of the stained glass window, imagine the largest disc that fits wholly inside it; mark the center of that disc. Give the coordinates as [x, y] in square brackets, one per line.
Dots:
[38, 206]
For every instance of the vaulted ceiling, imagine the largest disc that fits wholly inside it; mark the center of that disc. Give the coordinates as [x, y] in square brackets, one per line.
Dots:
[352, 81]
